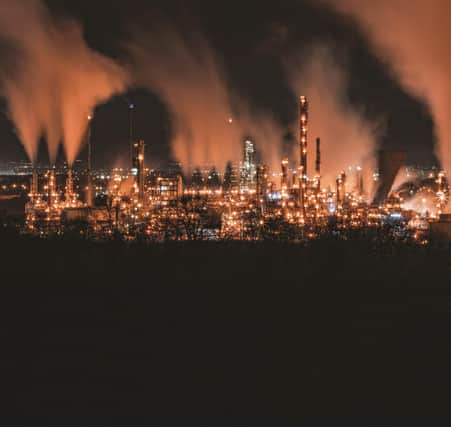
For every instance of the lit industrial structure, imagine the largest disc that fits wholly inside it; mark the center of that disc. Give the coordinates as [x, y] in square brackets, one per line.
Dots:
[318, 165]
[246, 202]
[248, 179]
[303, 134]
[89, 184]
[138, 167]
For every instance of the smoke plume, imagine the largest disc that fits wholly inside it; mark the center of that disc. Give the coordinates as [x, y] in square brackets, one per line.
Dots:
[348, 140]
[413, 36]
[210, 122]
[53, 80]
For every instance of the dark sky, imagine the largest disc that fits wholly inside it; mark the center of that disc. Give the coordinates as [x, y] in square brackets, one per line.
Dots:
[237, 30]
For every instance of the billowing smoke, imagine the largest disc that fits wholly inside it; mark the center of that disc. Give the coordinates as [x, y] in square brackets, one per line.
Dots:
[53, 79]
[402, 177]
[210, 122]
[413, 36]
[424, 202]
[348, 140]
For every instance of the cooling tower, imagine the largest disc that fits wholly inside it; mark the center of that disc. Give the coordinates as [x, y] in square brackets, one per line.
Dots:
[389, 163]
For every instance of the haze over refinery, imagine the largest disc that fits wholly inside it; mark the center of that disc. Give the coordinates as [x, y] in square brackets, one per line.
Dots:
[209, 114]
[241, 150]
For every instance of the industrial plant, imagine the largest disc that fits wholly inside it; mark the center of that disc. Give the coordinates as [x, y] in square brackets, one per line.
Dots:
[246, 202]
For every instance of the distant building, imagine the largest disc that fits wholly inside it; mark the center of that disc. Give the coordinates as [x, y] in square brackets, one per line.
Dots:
[231, 181]
[213, 179]
[248, 169]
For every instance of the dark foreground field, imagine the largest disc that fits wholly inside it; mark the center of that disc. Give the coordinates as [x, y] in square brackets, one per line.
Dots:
[337, 333]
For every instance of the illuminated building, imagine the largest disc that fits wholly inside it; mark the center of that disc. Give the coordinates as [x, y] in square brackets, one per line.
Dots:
[248, 179]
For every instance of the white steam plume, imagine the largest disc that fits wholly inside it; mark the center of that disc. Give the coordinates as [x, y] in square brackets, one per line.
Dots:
[54, 80]
[413, 37]
[347, 138]
[210, 122]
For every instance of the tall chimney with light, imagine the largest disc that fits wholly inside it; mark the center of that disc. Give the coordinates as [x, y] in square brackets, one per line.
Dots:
[131, 141]
[284, 177]
[70, 187]
[89, 187]
[341, 189]
[138, 165]
[318, 164]
[34, 187]
[303, 133]
[51, 186]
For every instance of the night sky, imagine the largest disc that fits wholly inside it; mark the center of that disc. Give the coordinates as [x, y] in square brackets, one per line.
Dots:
[250, 38]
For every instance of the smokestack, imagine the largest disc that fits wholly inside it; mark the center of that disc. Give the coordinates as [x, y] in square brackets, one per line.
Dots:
[303, 133]
[34, 186]
[262, 184]
[138, 165]
[89, 188]
[284, 178]
[179, 186]
[51, 184]
[69, 186]
[389, 163]
[359, 178]
[341, 188]
[318, 163]
[318, 156]
[131, 110]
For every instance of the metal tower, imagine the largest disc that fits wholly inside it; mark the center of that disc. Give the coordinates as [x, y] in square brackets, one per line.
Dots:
[303, 133]
[138, 164]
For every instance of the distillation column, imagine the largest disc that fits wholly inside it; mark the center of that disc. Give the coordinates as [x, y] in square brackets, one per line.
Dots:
[34, 186]
[262, 185]
[284, 176]
[303, 133]
[284, 182]
[51, 187]
[138, 164]
[341, 190]
[70, 196]
[89, 186]
[318, 165]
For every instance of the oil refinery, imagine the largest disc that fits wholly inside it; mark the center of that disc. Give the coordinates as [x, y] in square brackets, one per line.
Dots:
[247, 202]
